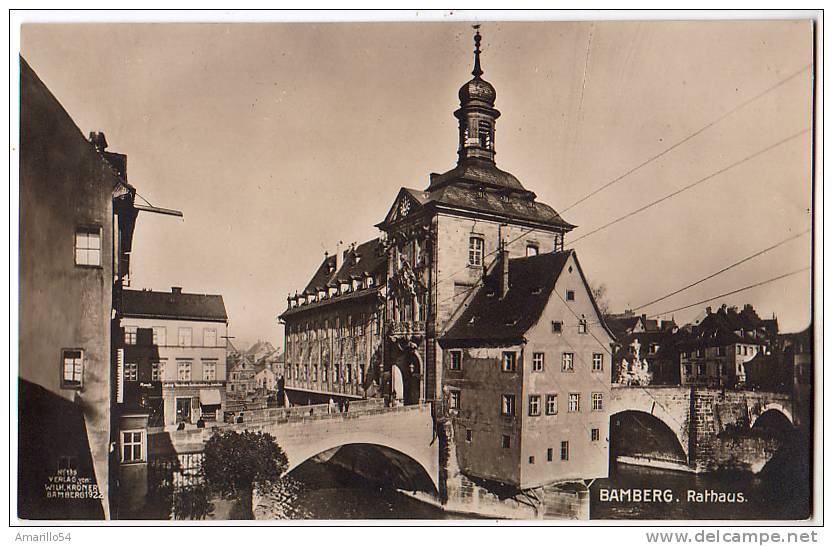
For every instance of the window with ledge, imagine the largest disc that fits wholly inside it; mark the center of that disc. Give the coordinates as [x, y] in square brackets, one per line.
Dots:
[531, 250]
[552, 404]
[72, 371]
[594, 435]
[571, 295]
[537, 362]
[88, 246]
[507, 406]
[455, 360]
[131, 371]
[596, 401]
[160, 336]
[565, 451]
[209, 337]
[574, 403]
[509, 362]
[454, 399]
[598, 362]
[130, 335]
[556, 327]
[132, 446]
[582, 326]
[184, 337]
[476, 246]
[183, 370]
[567, 362]
[209, 370]
[534, 405]
[157, 371]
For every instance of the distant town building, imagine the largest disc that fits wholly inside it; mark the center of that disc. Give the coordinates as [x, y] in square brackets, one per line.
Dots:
[715, 347]
[646, 350]
[77, 218]
[241, 379]
[174, 359]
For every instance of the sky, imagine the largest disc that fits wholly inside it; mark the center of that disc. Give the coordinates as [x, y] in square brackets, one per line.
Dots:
[279, 140]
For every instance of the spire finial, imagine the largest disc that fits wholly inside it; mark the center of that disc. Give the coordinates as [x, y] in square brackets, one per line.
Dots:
[477, 71]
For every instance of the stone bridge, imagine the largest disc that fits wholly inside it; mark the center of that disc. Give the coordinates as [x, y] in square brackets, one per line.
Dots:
[714, 428]
[402, 436]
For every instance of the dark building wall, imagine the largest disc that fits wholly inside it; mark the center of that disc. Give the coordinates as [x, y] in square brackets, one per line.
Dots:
[481, 384]
[64, 184]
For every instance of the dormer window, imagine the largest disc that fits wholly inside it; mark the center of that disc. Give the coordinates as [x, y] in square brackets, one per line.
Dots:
[531, 249]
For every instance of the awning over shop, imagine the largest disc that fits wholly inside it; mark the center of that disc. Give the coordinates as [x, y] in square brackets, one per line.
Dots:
[210, 397]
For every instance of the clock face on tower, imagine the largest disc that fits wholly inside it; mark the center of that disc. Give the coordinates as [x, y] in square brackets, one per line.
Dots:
[404, 207]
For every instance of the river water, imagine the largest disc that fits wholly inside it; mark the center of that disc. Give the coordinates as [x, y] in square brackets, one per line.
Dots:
[324, 491]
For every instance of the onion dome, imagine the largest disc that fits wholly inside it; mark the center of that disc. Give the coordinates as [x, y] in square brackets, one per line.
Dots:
[477, 89]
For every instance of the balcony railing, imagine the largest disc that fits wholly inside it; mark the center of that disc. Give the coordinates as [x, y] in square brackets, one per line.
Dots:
[409, 327]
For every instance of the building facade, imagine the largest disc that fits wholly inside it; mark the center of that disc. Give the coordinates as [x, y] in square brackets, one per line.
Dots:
[527, 380]
[715, 348]
[174, 356]
[333, 329]
[76, 226]
[392, 309]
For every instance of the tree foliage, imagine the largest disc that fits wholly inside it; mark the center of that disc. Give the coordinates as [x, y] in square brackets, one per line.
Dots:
[238, 463]
[599, 292]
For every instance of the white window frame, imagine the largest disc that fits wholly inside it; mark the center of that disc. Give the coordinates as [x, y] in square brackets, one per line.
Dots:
[131, 335]
[565, 450]
[454, 398]
[131, 372]
[187, 365]
[477, 248]
[157, 370]
[209, 364]
[534, 405]
[582, 326]
[598, 362]
[205, 332]
[509, 361]
[87, 246]
[133, 444]
[181, 337]
[75, 379]
[568, 362]
[156, 337]
[574, 402]
[552, 404]
[532, 249]
[538, 361]
[596, 401]
[507, 405]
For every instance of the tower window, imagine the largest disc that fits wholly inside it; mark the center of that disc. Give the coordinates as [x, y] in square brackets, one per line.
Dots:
[484, 133]
[476, 245]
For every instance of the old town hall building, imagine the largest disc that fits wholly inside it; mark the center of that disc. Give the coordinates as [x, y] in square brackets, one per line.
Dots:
[468, 300]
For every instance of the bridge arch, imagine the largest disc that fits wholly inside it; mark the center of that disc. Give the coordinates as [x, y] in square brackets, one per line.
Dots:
[643, 434]
[378, 463]
[773, 406]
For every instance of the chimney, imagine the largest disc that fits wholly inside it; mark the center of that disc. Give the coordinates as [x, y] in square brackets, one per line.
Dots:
[504, 268]
[176, 290]
[338, 256]
[98, 140]
[708, 310]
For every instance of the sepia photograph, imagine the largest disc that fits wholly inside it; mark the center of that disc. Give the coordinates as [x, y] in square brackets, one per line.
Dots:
[387, 268]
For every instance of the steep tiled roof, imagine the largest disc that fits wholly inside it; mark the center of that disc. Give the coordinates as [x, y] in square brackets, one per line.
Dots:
[492, 318]
[174, 305]
[367, 258]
